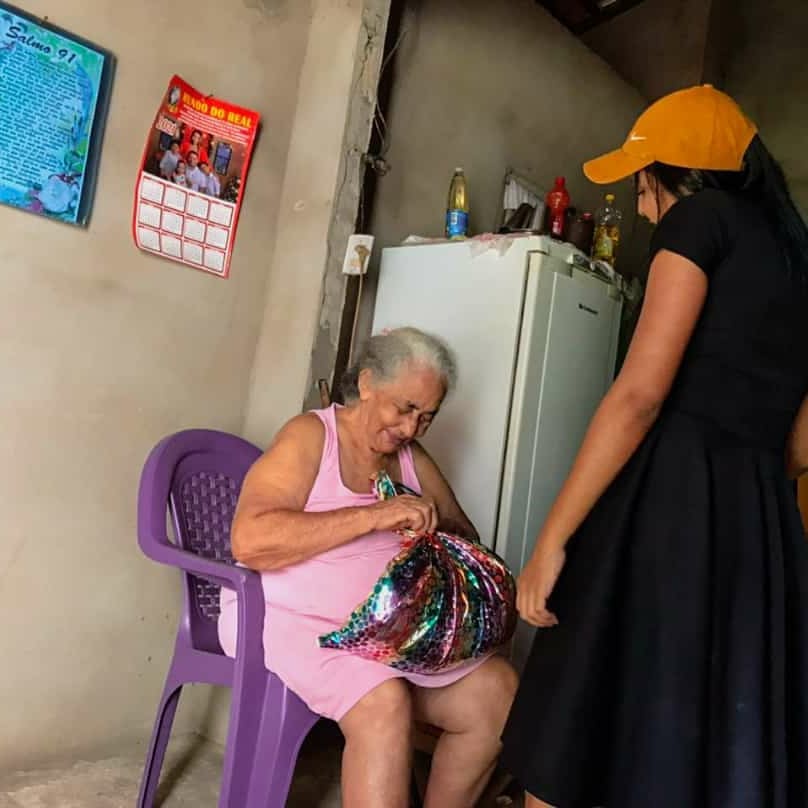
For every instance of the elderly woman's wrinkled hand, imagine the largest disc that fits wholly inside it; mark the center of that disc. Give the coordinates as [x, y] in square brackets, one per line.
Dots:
[406, 512]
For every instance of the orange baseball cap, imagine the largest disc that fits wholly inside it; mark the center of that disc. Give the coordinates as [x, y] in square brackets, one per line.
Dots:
[699, 127]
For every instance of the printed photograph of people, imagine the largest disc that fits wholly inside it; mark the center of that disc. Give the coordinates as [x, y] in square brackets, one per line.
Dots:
[188, 156]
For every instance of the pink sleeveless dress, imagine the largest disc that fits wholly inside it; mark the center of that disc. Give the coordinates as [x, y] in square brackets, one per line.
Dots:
[316, 596]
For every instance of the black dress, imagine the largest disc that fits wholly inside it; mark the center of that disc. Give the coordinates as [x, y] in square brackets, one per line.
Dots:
[678, 676]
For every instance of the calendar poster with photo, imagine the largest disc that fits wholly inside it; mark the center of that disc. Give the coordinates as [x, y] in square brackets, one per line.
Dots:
[191, 180]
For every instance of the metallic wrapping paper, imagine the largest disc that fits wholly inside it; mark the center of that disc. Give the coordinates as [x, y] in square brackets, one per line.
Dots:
[443, 600]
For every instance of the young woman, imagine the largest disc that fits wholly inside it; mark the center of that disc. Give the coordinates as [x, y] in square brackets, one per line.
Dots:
[670, 579]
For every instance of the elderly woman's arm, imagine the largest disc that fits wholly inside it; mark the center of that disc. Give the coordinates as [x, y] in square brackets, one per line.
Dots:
[271, 530]
[451, 517]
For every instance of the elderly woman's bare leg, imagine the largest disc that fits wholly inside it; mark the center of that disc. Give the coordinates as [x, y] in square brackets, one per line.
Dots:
[377, 760]
[471, 713]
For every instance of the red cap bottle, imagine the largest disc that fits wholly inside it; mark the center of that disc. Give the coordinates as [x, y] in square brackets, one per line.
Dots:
[557, 201]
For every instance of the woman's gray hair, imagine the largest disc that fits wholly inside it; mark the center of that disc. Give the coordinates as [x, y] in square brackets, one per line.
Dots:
[385, 353]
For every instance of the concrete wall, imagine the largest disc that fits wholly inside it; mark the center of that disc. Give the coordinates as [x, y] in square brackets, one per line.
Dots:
[768, 73]
[305, 293]
[657, 46]
[319, 198]
[104, 351]
[487, 91]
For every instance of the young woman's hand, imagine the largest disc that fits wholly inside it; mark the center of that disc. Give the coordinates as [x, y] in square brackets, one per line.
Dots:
[535, 585]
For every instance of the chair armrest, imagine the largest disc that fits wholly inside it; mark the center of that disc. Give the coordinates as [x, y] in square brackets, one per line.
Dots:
[246, 582]
[229, 576]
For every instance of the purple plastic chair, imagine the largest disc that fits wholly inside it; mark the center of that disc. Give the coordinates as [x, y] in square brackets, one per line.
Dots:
[196, 476]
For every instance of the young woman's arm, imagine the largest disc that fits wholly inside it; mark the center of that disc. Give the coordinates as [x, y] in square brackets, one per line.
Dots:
[674, 298]
[797, 450]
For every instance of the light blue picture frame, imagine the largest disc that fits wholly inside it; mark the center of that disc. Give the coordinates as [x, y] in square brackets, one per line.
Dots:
[54, 97]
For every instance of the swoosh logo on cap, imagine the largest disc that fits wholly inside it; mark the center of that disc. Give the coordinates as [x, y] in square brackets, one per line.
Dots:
[637, 137]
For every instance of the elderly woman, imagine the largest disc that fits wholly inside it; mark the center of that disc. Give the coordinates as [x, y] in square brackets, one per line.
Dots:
[308, 520]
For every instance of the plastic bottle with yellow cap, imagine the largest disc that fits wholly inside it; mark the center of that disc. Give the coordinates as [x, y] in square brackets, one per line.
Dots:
[457, 207]
[607, 232]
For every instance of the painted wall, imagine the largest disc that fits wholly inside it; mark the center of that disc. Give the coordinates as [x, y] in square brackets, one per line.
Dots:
[487, 91]
[103, 351]
[337, 96]
[330, 130]
[657, 46]
[768, 73]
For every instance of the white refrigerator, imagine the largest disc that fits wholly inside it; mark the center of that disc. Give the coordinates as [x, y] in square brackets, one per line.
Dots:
[535, 339]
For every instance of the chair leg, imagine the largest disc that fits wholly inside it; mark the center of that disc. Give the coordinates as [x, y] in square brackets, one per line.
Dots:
[285, 723]
[158, 744]
[242, 741]
[298, 722]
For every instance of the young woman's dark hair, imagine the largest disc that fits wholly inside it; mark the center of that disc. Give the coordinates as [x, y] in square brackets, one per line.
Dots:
[761, 180]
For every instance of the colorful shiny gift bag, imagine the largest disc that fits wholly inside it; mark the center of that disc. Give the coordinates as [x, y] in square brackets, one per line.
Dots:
[442, 601]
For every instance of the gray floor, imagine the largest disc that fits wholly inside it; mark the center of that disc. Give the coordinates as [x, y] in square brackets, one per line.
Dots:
[190, 778]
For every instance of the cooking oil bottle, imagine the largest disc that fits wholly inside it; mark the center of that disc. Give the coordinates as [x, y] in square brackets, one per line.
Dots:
[457, 207]
[607, 232]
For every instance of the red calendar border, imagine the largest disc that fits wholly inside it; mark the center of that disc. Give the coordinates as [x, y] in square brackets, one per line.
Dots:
[241, 125]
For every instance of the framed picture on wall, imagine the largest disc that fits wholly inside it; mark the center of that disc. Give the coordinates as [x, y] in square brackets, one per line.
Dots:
[54, 96]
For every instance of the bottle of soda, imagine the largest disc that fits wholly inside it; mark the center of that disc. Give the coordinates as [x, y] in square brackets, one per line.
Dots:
[457, 207]
[607, 232]
[557, 202]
